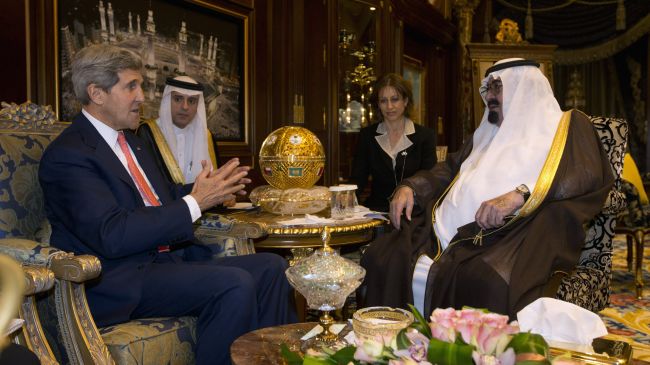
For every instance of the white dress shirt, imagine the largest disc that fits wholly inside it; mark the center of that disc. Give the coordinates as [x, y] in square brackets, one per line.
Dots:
[184, 150]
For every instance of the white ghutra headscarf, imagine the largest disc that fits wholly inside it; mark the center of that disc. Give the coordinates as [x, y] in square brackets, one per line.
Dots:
[196, 131]
[503, 157]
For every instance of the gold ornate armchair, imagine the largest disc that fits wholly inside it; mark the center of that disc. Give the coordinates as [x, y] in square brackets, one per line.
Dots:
[24, 235]
[66, 319]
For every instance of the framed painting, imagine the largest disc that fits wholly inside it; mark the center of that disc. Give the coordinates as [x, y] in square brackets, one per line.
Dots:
[414, 72]
[443, 6]
[194, 38]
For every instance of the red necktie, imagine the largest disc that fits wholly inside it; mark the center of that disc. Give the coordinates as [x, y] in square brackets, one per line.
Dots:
[140, 181]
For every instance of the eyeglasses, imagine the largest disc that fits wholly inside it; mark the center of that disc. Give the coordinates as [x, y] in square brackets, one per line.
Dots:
[495, 87]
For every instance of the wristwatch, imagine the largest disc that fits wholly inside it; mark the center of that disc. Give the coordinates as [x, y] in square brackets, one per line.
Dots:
[523, 190]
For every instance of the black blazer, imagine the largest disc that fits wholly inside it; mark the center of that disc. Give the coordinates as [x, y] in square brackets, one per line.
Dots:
[371, 161]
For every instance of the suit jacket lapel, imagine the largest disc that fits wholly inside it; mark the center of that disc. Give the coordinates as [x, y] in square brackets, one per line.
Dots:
[383, 156]
[103, 152]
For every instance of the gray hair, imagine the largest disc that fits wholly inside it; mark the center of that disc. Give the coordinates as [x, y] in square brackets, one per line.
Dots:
[100, 64]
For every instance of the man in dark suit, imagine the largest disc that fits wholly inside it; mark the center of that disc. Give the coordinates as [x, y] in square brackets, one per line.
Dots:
[105, 196]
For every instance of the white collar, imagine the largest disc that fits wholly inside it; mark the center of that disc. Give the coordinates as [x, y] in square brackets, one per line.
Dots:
[384, 139]
[409, 127]
[108, 133]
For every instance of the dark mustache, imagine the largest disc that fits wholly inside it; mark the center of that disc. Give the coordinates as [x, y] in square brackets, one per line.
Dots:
[493, 102]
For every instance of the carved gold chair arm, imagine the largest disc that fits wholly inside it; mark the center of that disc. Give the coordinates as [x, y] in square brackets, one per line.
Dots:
[66, 266]
[248, 229]
[76, 269]
[76, 327]
[37, 279]
[81, 336]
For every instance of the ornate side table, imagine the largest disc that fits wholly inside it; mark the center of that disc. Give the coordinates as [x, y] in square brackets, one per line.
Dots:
[263, 346]
[344, 232]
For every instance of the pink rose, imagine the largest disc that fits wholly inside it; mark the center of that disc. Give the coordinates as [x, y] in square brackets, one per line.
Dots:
[468, 323]
[443, 324]
[494, 333]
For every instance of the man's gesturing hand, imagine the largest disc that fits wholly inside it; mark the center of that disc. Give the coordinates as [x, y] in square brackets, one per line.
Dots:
[491, 213]
[215, 187]
[402, 202]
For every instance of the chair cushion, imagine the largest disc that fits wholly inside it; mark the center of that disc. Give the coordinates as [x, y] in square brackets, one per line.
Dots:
[152, 341]
[21, 212]
[28, 251]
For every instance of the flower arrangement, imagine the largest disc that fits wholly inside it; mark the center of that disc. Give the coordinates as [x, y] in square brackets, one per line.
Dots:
[452, 337]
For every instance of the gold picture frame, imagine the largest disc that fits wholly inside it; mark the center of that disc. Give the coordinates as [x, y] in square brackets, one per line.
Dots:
[213, 46]
[414, 72]
[443, 6]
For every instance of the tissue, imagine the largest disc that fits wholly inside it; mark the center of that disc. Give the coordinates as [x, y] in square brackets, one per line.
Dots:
[559, 321]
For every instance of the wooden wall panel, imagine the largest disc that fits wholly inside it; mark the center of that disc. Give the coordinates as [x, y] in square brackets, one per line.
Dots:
[292, 52]
[14, 63]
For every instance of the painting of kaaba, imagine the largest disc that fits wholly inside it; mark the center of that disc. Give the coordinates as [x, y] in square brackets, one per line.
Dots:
[173, 38]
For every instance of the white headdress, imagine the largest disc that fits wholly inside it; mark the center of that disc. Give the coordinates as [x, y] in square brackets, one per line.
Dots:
[197, 128]
[505, 156]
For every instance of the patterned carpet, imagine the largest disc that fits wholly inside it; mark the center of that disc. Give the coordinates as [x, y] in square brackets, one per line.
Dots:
[627, 318]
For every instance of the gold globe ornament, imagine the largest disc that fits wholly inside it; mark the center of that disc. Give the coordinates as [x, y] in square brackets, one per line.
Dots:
[292, 157]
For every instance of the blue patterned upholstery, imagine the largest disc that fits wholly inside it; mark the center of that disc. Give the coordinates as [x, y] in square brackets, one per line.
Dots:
[227, 236]
[24, 235]
[588, 285]
[152, 341]
[21, 212]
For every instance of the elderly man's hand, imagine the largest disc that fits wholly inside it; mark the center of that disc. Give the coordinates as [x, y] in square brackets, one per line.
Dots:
[402, 202]
[491, 213]
[215, 187]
